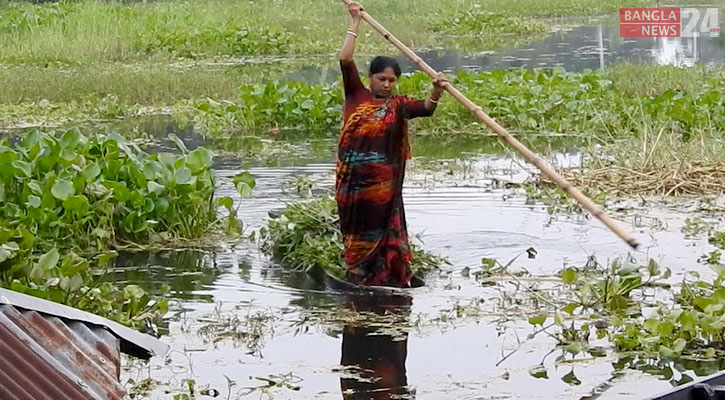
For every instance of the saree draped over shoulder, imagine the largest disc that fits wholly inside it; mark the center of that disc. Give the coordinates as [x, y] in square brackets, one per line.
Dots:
[372, 152]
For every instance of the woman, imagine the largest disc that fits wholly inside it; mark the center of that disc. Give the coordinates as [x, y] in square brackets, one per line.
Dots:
[372, 152]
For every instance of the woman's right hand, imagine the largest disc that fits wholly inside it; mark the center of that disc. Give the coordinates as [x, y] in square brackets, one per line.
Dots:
[355, 10]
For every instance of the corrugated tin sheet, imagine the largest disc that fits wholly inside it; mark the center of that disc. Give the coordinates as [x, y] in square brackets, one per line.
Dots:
[132, 342]
[49, 351]
[45, 357]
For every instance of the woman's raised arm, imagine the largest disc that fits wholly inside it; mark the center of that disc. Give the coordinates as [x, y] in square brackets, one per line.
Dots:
[348, 47]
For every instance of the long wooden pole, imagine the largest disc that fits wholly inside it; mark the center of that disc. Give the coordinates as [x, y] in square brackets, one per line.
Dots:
[529, 155]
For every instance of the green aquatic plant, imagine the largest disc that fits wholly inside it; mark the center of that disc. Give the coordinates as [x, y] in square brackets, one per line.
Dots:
[557, 102]
[275, 104]
[69, 201]
[227, 39]
[306, 235]
[478, 22]
[633, 307]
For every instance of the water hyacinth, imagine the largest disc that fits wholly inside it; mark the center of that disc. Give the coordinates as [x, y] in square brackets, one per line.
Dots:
[69, 200]
[588, 104]
[307, 235]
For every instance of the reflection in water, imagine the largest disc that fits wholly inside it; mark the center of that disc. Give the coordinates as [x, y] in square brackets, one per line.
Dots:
[185, 272]
[592, 47]
[378, 358]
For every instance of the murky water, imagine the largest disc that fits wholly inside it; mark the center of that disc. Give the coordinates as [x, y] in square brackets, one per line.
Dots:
[240, 317]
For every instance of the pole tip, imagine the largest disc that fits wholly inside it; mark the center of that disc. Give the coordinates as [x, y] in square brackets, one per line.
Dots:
[632, 242]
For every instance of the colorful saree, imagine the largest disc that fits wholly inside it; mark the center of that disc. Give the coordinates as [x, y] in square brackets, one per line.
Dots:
[372, 152]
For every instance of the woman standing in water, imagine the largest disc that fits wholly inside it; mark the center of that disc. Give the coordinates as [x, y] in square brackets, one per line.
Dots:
[372, 152]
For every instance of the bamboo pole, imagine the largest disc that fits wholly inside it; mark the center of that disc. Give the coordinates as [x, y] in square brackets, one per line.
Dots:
[529, 155]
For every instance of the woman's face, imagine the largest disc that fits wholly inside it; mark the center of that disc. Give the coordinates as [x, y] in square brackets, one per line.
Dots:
[383, 83]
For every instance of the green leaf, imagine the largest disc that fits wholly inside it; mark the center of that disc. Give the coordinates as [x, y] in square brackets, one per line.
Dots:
[226, 202]
[24, 168]
[78, 204]
[75, 282]
[571, 379]
[687, 321]
[244, 177]
[183, 176]
[679, 345]
[653, 268]
[68, 155]
[91, 171]
[71, 139]
[48, 260]
[154, 187]
[569, 308]
[710, 352]
[33, 201]
[665, 328]
[62, 189]
[538, 320]
[199, 159]
[134, 292]
[667, 353]
[569, 276]
[539, 372]
[244, 189]
[307, 105]
[179, 143]
[618, 302]
[488, 263]
[574, 348]
[559, 319]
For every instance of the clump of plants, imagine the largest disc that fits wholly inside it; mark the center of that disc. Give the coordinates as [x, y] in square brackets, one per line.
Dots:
[306, 235]
[226, 39]
[484, 23]
[69, 201]
[634, 308]
[275, 104]
[586, 104]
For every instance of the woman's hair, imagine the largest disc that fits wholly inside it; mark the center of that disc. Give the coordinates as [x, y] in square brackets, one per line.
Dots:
[379, 63]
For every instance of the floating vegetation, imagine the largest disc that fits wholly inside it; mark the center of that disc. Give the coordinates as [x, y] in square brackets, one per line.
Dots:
[632, 307]
[249, 329]
[69, 201]
[587, 104]
[273, 105]
[227, 39]
[489, 24]
[306, 235]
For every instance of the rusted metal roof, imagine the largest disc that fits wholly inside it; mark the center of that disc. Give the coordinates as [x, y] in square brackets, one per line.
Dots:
[132, 342]
[50, 351]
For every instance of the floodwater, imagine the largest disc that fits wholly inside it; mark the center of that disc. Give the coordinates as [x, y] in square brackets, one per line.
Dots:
[586, 47]
[242, 327]
[240, 317]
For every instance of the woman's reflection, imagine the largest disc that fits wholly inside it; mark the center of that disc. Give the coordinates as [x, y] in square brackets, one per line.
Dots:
[379, 359]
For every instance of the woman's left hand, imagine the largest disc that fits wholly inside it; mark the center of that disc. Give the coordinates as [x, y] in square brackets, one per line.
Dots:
[438, 83]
